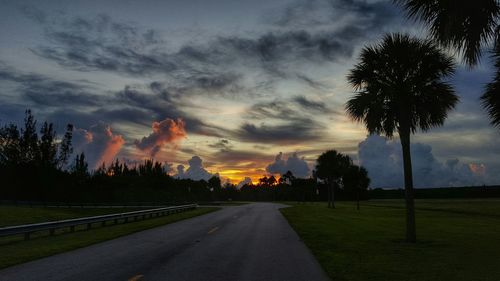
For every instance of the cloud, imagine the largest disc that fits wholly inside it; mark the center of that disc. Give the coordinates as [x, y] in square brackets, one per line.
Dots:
[311, 105]
[352, 18]
[383, 160]
[245, 181]
[298, 166]
[221, 145]
[103, 44]
[287, 121]
[44, 91]
[195, 170]
[297, 131]
[98, 143]
[164, 132]
[221, 65]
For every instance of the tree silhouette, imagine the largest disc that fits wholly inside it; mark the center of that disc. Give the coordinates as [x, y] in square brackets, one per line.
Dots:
[215, 183]
[10, 145]
[81, 167]
[271, 180]
[287, 177]
[66, 147]
[400, 88]
[47, 146]
[356, 180]
[29, 139]
[331, 166]
[469, 27]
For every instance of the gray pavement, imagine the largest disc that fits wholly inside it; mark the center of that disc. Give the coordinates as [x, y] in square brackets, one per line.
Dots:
[248, 242]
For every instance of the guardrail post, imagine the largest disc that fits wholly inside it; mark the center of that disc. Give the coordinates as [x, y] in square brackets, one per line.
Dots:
[89, 226]
[72, 228]
[51, 231]
[27, 236]
[103, 223]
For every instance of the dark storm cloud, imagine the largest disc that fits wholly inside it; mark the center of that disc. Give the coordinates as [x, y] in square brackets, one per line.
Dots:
[231, 157]
[215, 65]
[284, 121]
[100, 44]
[357, 17]
[296, 108]
[222, 145]
[311, 105]
[297, 131]
[44, 91]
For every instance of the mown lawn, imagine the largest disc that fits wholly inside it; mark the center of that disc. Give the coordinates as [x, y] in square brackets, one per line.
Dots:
[15, 250]
[457, 239]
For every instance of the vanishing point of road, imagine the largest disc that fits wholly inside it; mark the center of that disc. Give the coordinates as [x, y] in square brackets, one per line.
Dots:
[248, 242]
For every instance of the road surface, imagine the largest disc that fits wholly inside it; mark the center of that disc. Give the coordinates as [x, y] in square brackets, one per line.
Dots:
[248, 242]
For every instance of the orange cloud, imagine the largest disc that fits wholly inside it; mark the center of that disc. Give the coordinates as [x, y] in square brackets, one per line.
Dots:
[98, 143]
[164, 132]
[113, 146]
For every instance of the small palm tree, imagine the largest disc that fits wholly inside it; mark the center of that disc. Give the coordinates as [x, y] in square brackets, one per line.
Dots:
[400, 88]
[469, 27]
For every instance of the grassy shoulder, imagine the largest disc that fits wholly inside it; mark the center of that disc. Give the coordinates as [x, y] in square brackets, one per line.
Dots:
[18, 251]
[459, 240]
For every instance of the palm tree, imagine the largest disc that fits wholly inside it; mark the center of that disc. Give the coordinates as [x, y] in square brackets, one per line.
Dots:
[330, 167]
[469, 27]
[400, 88]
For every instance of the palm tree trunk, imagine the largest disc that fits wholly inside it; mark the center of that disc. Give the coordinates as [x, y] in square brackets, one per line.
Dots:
[411, 235]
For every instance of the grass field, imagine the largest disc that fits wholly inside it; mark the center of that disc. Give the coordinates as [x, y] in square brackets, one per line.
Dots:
[14, 250]
[457, 239]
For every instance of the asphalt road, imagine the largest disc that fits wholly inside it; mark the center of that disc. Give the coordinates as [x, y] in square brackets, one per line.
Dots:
[248, 242]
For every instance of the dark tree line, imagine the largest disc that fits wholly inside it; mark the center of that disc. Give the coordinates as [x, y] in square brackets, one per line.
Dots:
[29, 162]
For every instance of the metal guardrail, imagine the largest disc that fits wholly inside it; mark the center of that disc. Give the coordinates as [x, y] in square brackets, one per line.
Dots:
[51, 226]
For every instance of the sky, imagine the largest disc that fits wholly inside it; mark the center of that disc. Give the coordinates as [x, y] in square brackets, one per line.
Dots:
[238, 89]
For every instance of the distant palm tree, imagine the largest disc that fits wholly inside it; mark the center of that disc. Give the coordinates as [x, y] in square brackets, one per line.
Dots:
[400, 88]
[468, 27]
